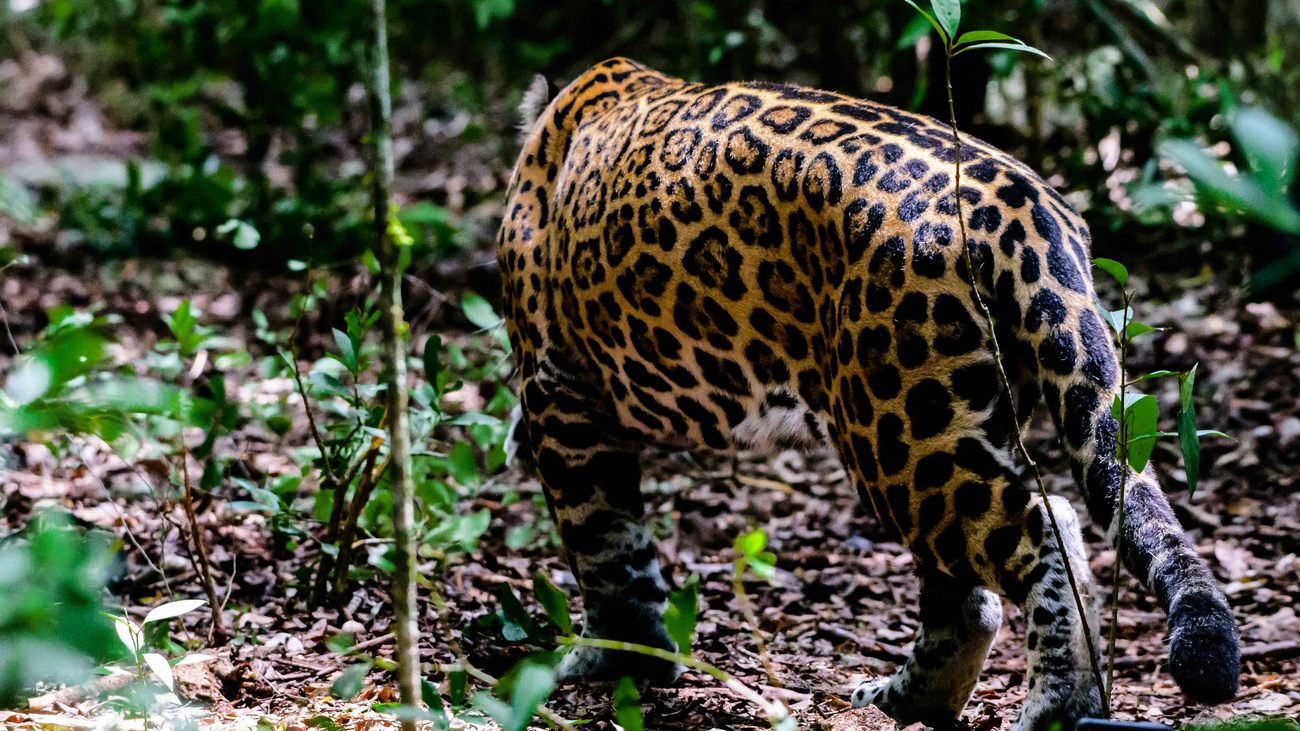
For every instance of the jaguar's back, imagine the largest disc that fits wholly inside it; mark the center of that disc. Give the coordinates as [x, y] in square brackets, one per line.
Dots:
[757, 265]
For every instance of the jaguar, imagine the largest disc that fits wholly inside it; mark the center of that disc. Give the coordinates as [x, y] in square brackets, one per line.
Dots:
[764, 266]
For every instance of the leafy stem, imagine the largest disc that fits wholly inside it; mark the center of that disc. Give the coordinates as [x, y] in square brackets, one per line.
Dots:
[946, 19]
[1125, 448]
[751, 556]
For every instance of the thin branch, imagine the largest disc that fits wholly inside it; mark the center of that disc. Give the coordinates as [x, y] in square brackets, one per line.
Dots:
[394, 328]
[200, 560]
[4, 318]
[306, 406]
[330, 536]
[369, 479]
[747, 609]
[1123, 483]
[121, 516]
[1006, 382]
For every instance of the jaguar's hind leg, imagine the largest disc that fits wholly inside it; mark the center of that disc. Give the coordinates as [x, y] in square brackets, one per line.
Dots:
[593, 486]
[1062, 685]
[958, 623]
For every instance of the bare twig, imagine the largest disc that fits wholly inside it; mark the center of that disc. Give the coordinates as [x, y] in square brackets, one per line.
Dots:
[218, 634]
[126, 525]
[306, 407]
[4, 318]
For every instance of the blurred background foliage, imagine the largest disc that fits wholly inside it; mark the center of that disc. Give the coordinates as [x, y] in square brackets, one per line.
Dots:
[254, 110]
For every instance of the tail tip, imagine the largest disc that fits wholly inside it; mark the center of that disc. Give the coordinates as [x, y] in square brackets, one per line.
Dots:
[1204, 651]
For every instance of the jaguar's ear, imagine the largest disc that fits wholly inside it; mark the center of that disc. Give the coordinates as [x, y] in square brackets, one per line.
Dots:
[535, 99]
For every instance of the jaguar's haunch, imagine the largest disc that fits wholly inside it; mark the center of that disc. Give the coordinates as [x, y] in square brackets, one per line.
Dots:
[760, 265]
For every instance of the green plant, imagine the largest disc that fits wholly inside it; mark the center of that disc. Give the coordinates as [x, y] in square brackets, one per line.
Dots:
[752, 556]
[556, 628]
[946, 20]
[63, 384]
[52, 622]
[1138, 416]
[135, 638]
[451, 452]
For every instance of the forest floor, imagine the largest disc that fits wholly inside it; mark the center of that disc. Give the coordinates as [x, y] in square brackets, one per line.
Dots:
[840, 609]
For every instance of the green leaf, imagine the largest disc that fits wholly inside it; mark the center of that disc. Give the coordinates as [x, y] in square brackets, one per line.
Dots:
[463, 464]
[347, 354]
[748, 545]
[17, 202]
[680, 614]
[429, 694]
[520, 536]
[516, 625]
[627, 706]
[468, 529]
[1269, 145]
[1004, 47]
[948, 13]
[1117, 319]
[246, 237]
[976, 36]
[1117, 271]
[553, 601]
[532, 687]
[1188, 439]
[1155, 374]
[457, 683]
[182, 322]
[161, 670]
[325, 723]
[172, 609]
[533, 684]
[479, 311]
[433, 700]
[763, 565]
[1241, 193]
[350, 681]
[432, 358]
[1141, 414]
[942, 33]
[1136, 329]
[916, 29]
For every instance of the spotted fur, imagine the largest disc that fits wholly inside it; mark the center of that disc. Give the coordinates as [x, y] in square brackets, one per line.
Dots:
[761, 265]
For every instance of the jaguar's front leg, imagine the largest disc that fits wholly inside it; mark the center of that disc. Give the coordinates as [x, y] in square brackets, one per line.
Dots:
[593, 486]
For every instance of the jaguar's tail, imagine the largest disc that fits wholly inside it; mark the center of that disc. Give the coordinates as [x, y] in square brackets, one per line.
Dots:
[1078, 372]
[530, 108]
